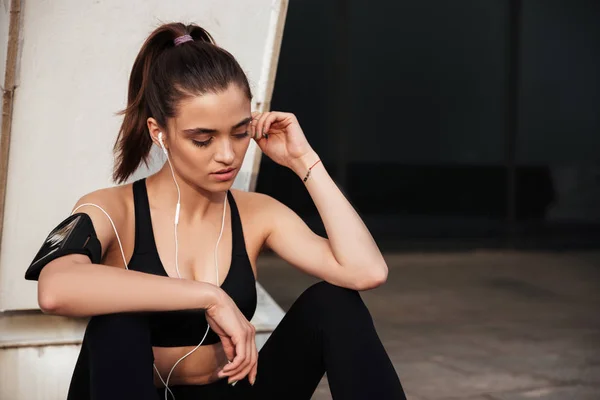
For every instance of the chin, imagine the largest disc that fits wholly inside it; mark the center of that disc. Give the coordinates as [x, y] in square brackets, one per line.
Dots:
[219, 186]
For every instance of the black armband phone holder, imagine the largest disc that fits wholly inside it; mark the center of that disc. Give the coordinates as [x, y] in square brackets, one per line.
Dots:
[75, 235]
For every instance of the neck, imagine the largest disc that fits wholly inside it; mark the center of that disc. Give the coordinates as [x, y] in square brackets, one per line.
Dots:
[196, 202]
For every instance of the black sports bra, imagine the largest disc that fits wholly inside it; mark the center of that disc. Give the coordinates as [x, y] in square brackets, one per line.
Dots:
[187, 327]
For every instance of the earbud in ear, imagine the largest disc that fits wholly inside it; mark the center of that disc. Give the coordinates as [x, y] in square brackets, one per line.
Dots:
[162, 145]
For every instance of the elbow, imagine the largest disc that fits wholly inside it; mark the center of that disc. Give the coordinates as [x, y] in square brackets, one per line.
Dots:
[47, 302]
[48, 294]
[376, 277]
[48, 305]
[48, 299]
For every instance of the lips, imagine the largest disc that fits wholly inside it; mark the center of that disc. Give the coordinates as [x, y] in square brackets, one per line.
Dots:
[224, 175]
[224, 171]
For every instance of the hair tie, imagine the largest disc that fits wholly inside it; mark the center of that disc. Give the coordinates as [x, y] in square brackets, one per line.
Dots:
[182, 39]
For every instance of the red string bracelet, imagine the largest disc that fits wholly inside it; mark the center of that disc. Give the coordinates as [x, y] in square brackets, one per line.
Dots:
[308, 172]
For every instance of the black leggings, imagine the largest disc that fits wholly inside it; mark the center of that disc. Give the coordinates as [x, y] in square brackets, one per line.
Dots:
[328, 329]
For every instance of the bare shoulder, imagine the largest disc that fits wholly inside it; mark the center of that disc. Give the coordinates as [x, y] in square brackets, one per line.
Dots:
[106, 207]
[113, 199]
[257, 205]
[258, 212]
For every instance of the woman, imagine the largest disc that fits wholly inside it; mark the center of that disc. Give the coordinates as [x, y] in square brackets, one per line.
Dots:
[151, 336]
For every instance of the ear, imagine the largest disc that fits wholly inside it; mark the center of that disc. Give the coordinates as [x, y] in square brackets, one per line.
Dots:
[154, 130]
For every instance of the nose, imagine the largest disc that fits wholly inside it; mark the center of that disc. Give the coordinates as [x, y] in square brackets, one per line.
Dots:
[225, 153]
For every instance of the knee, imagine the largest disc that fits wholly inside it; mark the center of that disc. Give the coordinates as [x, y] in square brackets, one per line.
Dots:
[325, 291]
[333, 302]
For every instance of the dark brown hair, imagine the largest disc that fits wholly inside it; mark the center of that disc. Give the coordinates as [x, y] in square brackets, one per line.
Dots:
[164, 74]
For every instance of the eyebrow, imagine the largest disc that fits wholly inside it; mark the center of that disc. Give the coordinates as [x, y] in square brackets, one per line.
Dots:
[199, 131]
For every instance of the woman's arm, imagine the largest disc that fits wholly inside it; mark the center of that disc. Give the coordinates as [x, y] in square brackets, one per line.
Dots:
[72, 286]
[351, 242]
[349, 258]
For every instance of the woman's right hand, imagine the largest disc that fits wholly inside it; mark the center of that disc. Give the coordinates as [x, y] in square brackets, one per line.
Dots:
[237, 336]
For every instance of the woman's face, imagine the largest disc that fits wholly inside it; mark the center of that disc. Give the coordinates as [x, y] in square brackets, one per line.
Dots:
[208, 139]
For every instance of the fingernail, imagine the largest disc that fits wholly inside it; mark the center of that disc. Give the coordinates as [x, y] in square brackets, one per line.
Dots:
[233, 383]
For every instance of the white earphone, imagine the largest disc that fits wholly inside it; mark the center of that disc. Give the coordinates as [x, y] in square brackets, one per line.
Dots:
[162, 145]
[176, 222]
[164, 149]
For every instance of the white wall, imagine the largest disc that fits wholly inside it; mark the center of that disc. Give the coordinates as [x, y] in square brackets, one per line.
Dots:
[4, 22]
[75, 59]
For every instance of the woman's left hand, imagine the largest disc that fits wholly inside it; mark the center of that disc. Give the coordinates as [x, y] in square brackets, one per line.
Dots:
[279, 136]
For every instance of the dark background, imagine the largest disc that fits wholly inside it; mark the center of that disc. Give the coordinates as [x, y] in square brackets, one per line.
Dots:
[463, 123]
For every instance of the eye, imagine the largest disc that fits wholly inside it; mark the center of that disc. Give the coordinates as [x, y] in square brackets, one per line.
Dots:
[203, 143]
[241, 135]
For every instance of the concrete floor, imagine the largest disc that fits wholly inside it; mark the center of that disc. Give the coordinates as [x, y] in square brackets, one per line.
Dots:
[481, 325]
